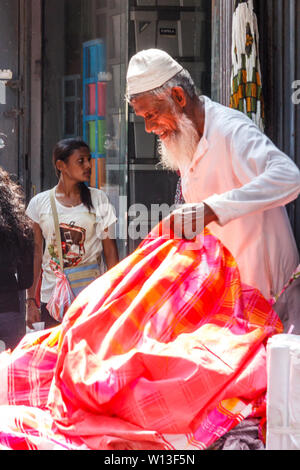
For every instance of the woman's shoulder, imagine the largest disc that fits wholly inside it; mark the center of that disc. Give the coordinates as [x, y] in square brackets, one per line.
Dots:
[41, 196]
[39, 201]
[98, 195]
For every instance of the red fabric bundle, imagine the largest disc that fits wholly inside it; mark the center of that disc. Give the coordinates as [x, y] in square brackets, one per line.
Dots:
[165, 350]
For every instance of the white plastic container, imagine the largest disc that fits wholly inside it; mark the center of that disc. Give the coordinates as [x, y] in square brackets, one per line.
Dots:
[283, 392]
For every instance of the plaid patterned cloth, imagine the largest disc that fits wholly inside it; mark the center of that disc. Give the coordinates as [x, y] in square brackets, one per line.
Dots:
[164, 351]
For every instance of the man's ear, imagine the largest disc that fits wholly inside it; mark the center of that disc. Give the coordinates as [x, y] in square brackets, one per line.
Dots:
[179, 96]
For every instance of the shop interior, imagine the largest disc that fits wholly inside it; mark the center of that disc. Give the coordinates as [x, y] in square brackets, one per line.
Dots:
[86, 48]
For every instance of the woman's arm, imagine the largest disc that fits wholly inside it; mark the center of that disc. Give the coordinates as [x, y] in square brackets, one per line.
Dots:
[110, 250]
[32, 311]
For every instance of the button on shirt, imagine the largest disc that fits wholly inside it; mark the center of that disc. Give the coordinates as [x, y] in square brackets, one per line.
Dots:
[247, 181]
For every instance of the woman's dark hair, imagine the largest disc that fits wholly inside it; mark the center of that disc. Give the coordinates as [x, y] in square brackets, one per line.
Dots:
[16, 234]
[62, 151]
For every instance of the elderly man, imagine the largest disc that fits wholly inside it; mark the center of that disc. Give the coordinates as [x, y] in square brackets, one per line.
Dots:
[230, 170]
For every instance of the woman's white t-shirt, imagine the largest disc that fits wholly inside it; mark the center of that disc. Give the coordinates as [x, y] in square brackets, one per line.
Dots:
[81, 233]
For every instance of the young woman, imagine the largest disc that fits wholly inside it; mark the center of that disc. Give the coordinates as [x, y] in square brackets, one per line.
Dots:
[16, 256]
[86, 219]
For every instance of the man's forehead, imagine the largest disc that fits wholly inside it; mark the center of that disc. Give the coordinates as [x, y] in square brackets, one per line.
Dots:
[145, 102]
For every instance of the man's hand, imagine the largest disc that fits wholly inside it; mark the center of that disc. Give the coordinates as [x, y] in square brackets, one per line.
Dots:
[209, 215]
[188, 220]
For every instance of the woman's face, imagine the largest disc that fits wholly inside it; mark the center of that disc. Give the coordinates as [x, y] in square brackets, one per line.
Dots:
[77, 167]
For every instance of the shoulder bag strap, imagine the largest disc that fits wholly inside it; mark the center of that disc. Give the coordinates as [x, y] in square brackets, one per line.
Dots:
[56, 225]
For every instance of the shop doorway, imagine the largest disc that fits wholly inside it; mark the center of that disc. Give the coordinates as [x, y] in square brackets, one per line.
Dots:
[13, 80]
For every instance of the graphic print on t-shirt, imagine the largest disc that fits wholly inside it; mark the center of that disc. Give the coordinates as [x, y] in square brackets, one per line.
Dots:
[72, 243]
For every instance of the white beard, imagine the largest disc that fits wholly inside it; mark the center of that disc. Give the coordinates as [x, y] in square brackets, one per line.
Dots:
[181, 146]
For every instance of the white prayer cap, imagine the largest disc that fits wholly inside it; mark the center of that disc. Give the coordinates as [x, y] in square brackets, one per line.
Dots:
[150, 69]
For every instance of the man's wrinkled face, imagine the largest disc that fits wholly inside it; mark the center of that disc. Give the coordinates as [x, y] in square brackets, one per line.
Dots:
[158, 115]
[177, 134]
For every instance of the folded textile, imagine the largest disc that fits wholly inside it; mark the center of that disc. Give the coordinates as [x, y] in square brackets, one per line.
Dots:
[245, 436]
[167, 350]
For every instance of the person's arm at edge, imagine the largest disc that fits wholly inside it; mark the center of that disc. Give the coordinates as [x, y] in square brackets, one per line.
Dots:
[32, 311]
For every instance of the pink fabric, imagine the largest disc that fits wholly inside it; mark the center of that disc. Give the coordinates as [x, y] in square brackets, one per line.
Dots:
[166, 350]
